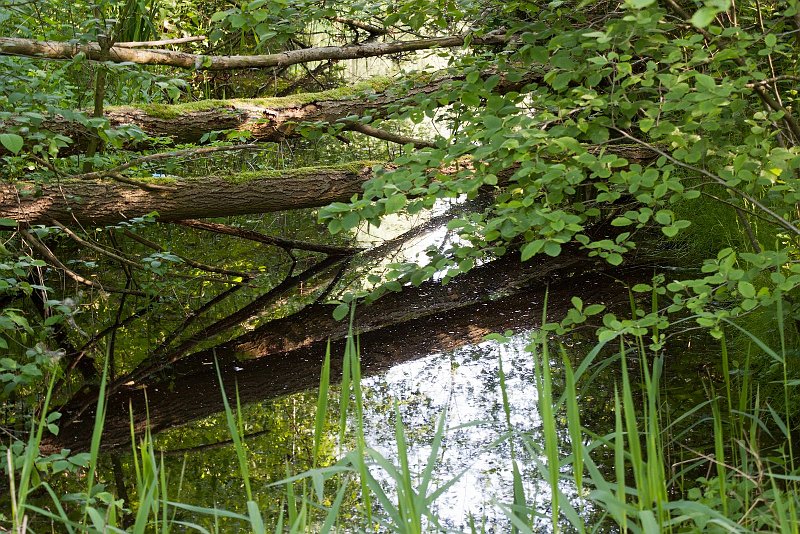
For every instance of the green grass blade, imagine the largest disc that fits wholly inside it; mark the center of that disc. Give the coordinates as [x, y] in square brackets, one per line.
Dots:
[573, 422]
[322, 404]
[233, 428]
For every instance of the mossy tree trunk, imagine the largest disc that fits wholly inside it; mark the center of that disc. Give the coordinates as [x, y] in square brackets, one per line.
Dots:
[265, 119]
[106, 201]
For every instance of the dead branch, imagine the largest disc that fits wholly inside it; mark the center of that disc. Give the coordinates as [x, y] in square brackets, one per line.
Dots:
[163, 347]
[196, 264]
[51, 258]
[97, 248]
[234, 319]
[11, 46]
[369, 28]
[371, 131]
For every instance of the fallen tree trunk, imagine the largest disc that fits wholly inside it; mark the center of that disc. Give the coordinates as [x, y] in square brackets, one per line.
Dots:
[101, 202]
[265, 119]
[191, 390]
[61, 50]
[106, 201]
[315, 323]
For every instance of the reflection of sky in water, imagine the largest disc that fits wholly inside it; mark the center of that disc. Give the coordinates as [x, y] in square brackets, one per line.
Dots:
[412, 250]
[464, 382]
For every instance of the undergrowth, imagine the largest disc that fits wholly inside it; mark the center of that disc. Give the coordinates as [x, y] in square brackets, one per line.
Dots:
[745, 481]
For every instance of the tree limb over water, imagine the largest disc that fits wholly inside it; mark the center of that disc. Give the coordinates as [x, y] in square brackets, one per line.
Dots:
[103, 202]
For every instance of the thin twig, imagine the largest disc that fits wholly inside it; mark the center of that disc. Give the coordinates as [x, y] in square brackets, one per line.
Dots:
[97, 248]
[131, 263]
[782, 77]
[163, 347]
[388, 136]
[369, 28]
[286, 244]
[202, 266]
[34, 242]
[765, 97]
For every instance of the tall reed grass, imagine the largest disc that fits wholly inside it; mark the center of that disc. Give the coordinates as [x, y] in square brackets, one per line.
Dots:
[744, 481]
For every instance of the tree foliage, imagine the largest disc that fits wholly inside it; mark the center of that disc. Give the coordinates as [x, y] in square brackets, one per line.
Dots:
[630, 131]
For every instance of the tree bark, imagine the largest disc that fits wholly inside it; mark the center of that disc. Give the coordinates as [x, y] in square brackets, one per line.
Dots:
[315, 323]
[103, 202]
[60, 50]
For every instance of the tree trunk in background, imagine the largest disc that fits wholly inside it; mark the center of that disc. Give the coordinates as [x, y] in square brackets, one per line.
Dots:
[10, 46]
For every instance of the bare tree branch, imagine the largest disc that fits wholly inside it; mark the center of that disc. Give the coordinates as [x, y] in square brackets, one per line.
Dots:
[369, 28]
[377, 133]
[51, 258]
[197, 265]
[11, 46]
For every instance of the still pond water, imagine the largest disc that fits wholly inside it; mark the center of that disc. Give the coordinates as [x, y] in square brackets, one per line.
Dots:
[463, 383]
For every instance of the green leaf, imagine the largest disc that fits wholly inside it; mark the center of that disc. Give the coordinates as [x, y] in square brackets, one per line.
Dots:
[663, 217]
[492, 123]
[670, 231]
[704, 16]
[395, 203]
[334, 226]
[12, 142]
[594, 309]
[529, 250]
[351, 220]
[746, 289]
[639, 4]
[341, 311]
[4, 221]
[552, 249]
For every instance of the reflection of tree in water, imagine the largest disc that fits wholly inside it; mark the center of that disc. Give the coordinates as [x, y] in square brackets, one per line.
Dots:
[436, 376]
[464, 380]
